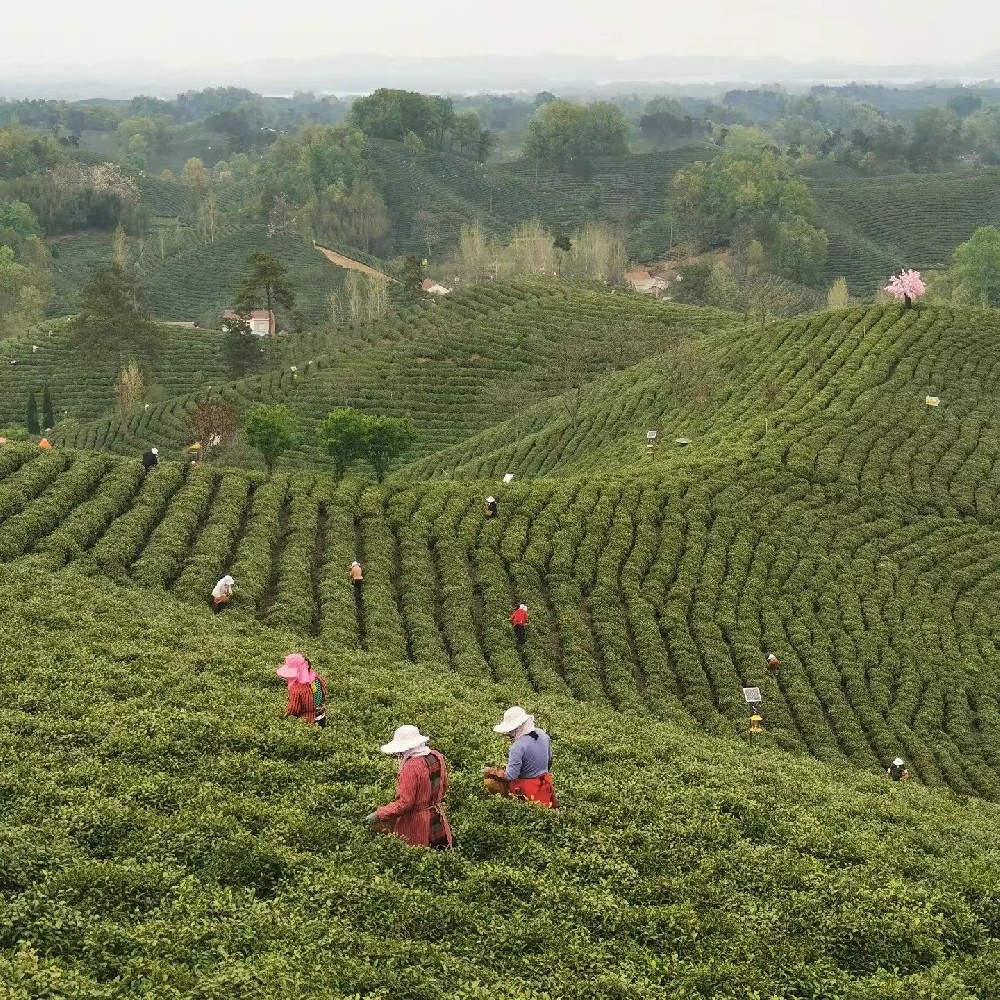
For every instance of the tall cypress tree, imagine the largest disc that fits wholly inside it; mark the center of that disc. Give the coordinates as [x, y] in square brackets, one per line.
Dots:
[33, 427]
[48, 417]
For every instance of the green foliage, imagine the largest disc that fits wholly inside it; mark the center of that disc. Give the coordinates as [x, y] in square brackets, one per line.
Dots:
[265, 286]
[976, 267]
[113, 321]
[32, 420]
[394, 114]
[739, 198]
[349, 435]
[342, 432]
[271, 430]
[568, 136]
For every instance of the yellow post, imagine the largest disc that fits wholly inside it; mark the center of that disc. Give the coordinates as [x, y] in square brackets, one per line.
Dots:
[755, 723]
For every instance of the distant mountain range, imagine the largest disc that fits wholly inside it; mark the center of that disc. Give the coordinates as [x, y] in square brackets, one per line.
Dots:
[361, 73]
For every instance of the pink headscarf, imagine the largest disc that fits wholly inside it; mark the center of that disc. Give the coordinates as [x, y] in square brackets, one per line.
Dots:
[295, 670]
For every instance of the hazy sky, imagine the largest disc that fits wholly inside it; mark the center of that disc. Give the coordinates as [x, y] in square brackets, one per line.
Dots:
[185, 33]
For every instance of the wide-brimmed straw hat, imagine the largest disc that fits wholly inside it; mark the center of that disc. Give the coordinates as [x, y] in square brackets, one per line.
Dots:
[513, 719]
[898, 761]
[403, 739]
[156, 451]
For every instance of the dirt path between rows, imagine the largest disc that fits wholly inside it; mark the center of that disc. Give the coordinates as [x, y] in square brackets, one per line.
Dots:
[341, 261]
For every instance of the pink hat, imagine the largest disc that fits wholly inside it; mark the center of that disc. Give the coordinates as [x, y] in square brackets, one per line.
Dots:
[296, 670]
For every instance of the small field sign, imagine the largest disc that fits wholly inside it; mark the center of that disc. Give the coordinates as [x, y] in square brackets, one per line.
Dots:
[752, 696]
[651, 435]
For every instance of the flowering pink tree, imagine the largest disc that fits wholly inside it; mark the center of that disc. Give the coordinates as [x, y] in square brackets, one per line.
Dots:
[907, 285]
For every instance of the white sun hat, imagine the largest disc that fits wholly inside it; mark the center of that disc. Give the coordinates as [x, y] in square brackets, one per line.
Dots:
[156, 451]
[403, 739]
[513, 719]
[898, 761]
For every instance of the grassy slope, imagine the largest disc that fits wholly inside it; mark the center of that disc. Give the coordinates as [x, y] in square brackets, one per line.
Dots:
[166, 833]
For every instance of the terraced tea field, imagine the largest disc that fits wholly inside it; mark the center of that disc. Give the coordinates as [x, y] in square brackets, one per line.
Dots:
[882, 224]
[454, 368]
[838, 397]
[656, 596]
[82, 389]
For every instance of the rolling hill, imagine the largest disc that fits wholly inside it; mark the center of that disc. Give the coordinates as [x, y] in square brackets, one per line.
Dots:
[454, 367]
[880, 225]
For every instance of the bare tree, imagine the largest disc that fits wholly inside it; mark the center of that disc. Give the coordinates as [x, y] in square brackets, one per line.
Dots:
[212, 424]
[128, 390]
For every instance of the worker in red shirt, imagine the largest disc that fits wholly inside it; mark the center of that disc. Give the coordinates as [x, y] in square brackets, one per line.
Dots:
[519, 619]
[416, 815]
[306, 690]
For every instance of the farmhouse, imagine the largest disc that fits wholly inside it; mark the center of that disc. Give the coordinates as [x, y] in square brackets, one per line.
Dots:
[431, 287]
[646, 283]
[261, 321]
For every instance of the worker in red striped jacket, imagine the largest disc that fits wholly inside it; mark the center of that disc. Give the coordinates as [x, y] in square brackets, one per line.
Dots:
[416, 815]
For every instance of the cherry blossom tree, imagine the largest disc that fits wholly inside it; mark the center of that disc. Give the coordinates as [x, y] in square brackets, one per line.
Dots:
[907, 285]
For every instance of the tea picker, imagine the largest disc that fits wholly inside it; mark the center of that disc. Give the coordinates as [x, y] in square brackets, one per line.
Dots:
[306, 690]
[529, 762]
[222, 593]
[490, 507]
[416, 815]
[897, 771]
[773, 664]
[150, 459]
[357, 575]
[519, 619]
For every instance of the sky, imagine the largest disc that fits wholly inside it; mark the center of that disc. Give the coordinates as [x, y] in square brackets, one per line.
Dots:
[192, 33]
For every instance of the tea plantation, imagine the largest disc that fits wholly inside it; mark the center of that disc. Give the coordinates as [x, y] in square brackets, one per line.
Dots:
[165, 833]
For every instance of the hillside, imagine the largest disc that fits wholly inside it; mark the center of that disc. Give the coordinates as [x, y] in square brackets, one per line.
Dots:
[879, 225]
[82, 387]
[454, 367]
[170, 834]
[655, 595]
[432, 195]
[836, 396]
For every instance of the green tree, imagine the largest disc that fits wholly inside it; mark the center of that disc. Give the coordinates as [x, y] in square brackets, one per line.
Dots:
[737, 199]
[265, 286]
[112, 321]
[272, 430]
[33, 426]
[343, 433]
[386, 438]
[976, 266]
[48, 417]
[567, 135]
[411, 276]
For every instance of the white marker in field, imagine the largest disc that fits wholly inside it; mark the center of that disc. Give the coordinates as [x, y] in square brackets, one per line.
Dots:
[509, 478]
[932, 400]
